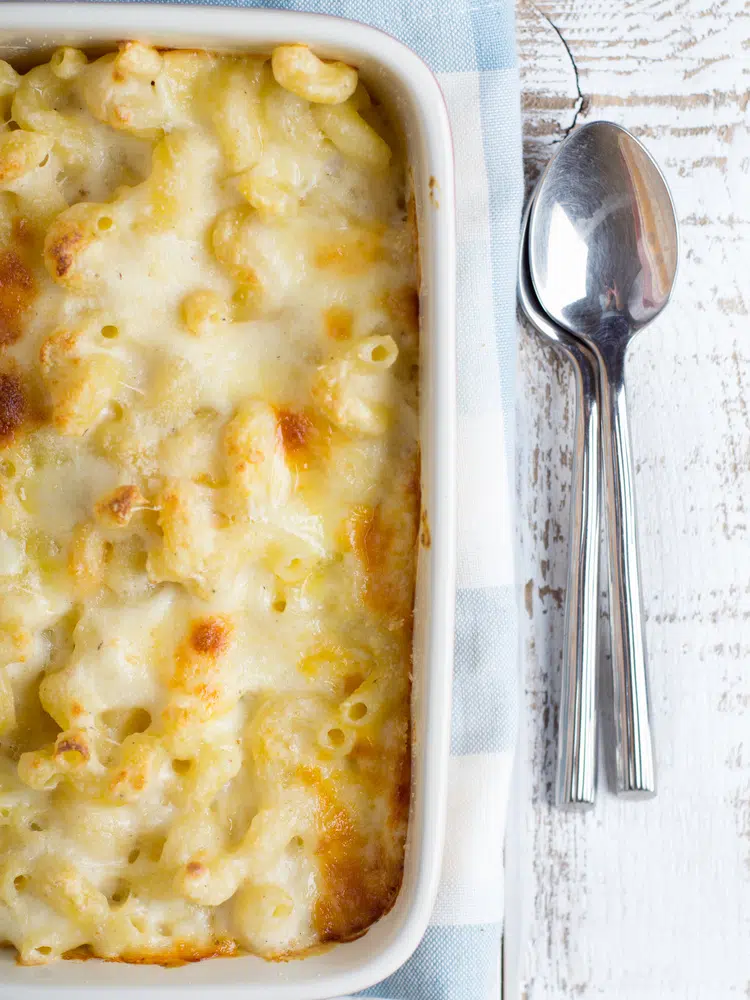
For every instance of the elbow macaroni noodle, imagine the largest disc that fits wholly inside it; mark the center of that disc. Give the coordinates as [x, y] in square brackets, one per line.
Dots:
[299, 70]
[209, 493]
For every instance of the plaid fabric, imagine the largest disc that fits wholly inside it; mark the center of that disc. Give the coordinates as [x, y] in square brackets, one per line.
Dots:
[470, 44]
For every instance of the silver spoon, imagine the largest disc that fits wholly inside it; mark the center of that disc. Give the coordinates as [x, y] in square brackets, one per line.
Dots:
[576, 759]
[603, 249]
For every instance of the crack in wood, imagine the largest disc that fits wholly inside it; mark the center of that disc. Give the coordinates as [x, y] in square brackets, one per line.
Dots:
[581, 102]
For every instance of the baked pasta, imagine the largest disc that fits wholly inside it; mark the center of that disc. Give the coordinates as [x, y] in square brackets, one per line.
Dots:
[209, 471]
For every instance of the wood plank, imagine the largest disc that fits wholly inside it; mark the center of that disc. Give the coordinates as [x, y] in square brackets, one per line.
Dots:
[641, 900]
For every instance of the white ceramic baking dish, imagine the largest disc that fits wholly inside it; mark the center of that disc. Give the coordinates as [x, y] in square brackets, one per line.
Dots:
[400, 78]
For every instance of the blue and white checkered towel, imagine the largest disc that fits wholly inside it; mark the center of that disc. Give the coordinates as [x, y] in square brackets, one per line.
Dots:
[470, 45]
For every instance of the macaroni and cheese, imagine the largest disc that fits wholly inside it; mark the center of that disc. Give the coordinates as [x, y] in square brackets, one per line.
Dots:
[209, 497]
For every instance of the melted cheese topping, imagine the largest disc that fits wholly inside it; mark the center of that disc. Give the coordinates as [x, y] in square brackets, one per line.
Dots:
[210, 487]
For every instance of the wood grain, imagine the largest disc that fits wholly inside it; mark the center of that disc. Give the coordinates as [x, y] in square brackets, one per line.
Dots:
[649, 900]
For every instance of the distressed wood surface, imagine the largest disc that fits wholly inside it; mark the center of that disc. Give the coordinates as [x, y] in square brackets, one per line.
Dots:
[641, 900]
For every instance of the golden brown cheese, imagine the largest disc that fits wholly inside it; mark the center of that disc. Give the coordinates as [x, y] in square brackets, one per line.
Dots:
[117, 508]
[13, 405]
[210, 504]
[17, 288]
[358, 883]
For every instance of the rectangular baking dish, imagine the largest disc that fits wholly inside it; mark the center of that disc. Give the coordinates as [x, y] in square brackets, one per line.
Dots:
[28, 33]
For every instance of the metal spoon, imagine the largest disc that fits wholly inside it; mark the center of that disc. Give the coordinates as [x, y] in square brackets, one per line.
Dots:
[603, 259]
[576, 758]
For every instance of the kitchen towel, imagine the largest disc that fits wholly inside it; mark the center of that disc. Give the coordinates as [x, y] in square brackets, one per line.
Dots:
[470, 45]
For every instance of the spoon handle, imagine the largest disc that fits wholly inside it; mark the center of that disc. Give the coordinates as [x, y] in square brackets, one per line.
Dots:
[635, 754]
[576, 765]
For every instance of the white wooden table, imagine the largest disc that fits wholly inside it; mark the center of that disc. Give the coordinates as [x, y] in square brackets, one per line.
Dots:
[642, 900]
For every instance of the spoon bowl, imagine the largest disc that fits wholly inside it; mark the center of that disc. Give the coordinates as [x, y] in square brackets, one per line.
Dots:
[603, 233]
